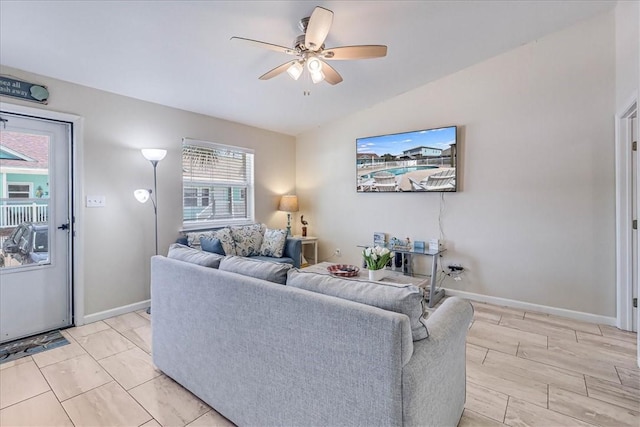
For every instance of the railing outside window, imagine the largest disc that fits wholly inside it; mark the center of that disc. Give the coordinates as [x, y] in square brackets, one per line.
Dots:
[14, 213]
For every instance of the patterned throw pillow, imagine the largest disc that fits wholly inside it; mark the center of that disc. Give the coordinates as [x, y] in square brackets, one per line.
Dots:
[227, 241]
[193, 237]
[273, 243]
[247, 238]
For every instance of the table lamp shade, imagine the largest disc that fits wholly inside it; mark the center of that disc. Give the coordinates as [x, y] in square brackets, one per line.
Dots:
[288, 203]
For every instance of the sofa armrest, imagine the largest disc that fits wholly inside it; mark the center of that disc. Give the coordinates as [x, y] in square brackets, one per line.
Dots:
[293, 250]
[434, 380]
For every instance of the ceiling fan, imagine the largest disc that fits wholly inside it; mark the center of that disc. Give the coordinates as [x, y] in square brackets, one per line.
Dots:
[310, 51]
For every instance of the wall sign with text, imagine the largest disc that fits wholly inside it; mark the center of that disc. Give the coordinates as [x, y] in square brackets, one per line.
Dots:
[15, 88]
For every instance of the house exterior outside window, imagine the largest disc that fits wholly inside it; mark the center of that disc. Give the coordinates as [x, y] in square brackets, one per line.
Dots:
[19, 190]
[218, 185]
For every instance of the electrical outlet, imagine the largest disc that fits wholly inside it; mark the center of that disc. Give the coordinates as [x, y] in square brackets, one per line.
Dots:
[338, 253]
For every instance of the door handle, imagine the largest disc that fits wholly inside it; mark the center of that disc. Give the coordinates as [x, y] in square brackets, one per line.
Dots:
[64, 226]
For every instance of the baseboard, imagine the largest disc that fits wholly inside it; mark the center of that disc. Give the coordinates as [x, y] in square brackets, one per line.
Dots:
[563, 312]
[90, 318]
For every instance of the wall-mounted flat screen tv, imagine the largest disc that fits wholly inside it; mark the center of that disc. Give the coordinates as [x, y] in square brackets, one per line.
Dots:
[417, 161]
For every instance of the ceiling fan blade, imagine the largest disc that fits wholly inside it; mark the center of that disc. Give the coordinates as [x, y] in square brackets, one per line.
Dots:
[318, 28]
[269, 46]
[355, 52]
[276, 71]
[331, 76]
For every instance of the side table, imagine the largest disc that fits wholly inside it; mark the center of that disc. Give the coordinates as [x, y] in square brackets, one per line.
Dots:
[308, 241]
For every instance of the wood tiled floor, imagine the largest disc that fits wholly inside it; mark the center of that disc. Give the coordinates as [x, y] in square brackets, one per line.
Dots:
[523, 369]
[533, 369]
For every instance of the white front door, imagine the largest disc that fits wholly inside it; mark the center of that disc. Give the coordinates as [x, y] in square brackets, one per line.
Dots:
[35, 225]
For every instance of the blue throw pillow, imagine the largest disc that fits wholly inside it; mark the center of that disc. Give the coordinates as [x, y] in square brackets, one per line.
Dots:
[183, 241]
[212, 245]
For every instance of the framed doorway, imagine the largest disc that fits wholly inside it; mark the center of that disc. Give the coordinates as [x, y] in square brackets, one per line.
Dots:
[627, 212]
[76, 214]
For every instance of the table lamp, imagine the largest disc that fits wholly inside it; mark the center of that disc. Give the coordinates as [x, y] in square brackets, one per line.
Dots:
[288, 204]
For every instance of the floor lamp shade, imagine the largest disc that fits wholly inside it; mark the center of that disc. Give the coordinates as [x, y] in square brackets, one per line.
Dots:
[142, 195]
[154, 154]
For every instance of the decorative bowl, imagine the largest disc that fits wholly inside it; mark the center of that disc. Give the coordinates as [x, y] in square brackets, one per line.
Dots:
[343, 270]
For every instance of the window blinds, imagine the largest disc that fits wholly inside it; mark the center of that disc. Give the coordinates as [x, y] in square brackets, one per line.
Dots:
[217, 183]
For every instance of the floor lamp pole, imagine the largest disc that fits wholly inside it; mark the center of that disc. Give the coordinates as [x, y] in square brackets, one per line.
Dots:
[155, 205]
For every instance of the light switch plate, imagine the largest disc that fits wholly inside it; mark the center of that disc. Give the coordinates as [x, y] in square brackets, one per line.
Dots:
[96, 201]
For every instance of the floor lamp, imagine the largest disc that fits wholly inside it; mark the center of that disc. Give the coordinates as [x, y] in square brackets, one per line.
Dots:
[154, 156]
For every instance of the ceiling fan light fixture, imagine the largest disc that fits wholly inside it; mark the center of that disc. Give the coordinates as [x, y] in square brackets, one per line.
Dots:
[295, 70]
[314, 65]
[317, 76]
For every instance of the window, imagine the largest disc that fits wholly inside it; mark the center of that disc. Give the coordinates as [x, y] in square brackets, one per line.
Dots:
[217, 184]
[19, 191]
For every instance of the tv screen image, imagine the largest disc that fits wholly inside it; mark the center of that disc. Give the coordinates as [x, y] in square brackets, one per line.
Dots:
[417, 161]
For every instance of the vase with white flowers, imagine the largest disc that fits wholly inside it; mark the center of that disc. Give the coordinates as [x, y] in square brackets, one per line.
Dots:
[376, 259]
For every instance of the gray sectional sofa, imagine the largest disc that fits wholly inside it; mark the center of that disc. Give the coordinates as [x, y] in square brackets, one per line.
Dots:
[276, 346]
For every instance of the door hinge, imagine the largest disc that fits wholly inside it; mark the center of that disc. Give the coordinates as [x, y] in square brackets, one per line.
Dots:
[634, 146]
[635, 224]
[635, 303]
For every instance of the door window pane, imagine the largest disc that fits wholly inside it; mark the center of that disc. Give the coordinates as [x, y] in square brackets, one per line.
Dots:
[24, 199]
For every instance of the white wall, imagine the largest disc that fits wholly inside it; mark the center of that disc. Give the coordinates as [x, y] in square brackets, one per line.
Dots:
[534, 220]
[627, 50]
[119, 239]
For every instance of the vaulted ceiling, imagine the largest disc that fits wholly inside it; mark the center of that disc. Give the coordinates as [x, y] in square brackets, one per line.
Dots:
[179, 53]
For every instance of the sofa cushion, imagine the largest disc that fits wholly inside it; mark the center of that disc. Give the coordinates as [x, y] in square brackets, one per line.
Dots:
[273, 243]
[194, 256]
[280, 260]
[212, 244]
[275, 272]
[406, 299]
[247, 239]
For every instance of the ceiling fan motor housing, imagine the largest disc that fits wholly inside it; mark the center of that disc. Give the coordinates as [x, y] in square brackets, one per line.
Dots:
[303, 23]
[299, 44]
